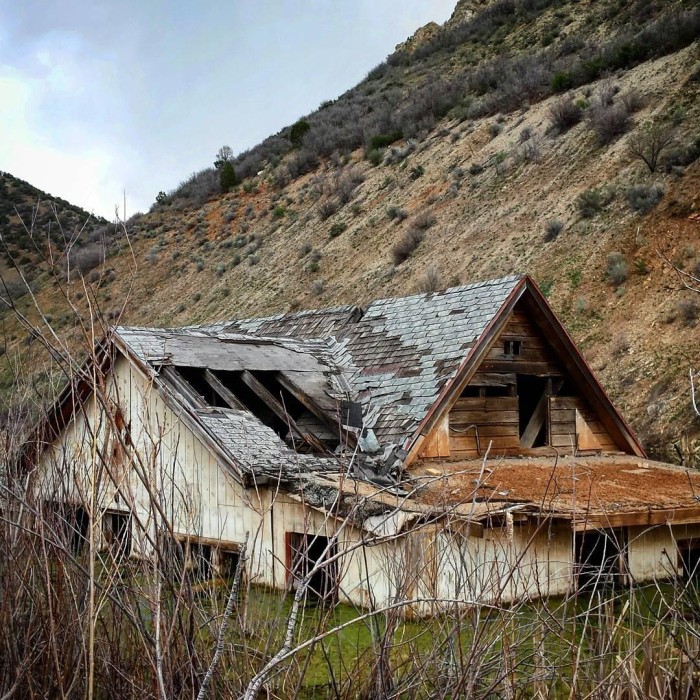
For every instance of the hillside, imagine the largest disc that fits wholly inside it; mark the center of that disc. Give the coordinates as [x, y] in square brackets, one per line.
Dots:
[501, 142]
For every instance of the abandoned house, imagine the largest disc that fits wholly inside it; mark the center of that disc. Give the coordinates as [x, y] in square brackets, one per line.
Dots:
[439, 448]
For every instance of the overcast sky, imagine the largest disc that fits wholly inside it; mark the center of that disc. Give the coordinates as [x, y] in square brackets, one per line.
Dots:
[100, 97]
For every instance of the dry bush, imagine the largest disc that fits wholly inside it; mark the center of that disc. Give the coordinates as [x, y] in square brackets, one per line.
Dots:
[430, 280]
[552, 229]
[617, 269]
[82, 260]
[689, 311]
[327, 208]
[643, 198]
[609, 122]
[406, 246]
[650, 141]
[564, 114]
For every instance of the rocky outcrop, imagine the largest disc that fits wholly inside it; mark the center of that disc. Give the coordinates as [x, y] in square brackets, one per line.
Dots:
[423, 35]
[465, 10]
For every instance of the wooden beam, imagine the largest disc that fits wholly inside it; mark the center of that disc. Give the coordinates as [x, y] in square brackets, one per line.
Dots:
[675, 516]
[183, 387]
[532, 430]
[226, 395]
[278, 409]
[309, 404]
[269, 400]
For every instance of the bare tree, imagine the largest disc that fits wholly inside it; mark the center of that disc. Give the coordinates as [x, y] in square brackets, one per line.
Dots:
[650, 141]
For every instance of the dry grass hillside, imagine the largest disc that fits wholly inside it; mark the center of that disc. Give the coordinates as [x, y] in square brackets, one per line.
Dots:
[544, 180]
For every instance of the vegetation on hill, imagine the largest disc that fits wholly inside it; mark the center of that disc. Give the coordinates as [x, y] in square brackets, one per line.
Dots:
[552, 137]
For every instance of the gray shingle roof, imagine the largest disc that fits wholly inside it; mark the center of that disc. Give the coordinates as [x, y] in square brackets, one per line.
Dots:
[395, 358]
[316, 323]
[256, 448]
[404, 350]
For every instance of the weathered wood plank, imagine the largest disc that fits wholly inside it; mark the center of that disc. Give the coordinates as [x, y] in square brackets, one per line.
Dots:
[227, 395]
[437, 443]
[543, 369]
[534, 426]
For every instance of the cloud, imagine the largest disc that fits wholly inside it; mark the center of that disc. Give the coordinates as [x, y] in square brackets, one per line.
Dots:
[103, 97]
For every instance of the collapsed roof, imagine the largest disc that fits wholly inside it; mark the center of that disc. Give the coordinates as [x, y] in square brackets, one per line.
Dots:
[366, 376]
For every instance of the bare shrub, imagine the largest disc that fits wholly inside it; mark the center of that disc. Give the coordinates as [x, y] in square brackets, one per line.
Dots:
[197, 190]
[689, 311]
[643, 198]
[589, 203]
[406, 246]
[430, 280]
[396, 214]
[423, 221]
[564, 114]
[632, 100]
[327, 208]
[650, 141]
[82, 260]
[347, 184]
[609, 122]
[552, 229]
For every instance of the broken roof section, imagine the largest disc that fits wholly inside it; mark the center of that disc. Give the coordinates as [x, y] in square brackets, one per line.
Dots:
[397, 354]
[294, 373]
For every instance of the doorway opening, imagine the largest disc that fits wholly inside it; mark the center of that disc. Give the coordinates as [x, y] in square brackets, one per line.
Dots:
[532, 410]
[689, 558]
[598, 559]
[305, 553]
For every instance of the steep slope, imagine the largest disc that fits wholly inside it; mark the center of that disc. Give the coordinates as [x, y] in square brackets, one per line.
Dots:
[476, 186]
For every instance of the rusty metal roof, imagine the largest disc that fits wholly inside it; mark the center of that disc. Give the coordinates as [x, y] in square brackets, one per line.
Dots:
[592, 488]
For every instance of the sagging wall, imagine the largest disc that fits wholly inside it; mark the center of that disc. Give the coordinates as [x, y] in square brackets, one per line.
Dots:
[157, 467]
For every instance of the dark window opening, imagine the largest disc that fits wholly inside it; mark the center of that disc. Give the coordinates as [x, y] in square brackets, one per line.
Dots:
[689, 556]
[531, 394]
[598, 559]
[199, 562]
[482, 391]
[304, 553]
[511, 348]
[567, 388]
[71, 524]
[228, 564]
[116, 531]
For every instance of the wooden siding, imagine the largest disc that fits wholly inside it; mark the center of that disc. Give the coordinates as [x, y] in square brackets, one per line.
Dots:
[536, 355]
[477, 422]
[568, 415]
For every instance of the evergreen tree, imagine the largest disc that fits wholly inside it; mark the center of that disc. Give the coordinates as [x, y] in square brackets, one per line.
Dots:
[227, 176]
